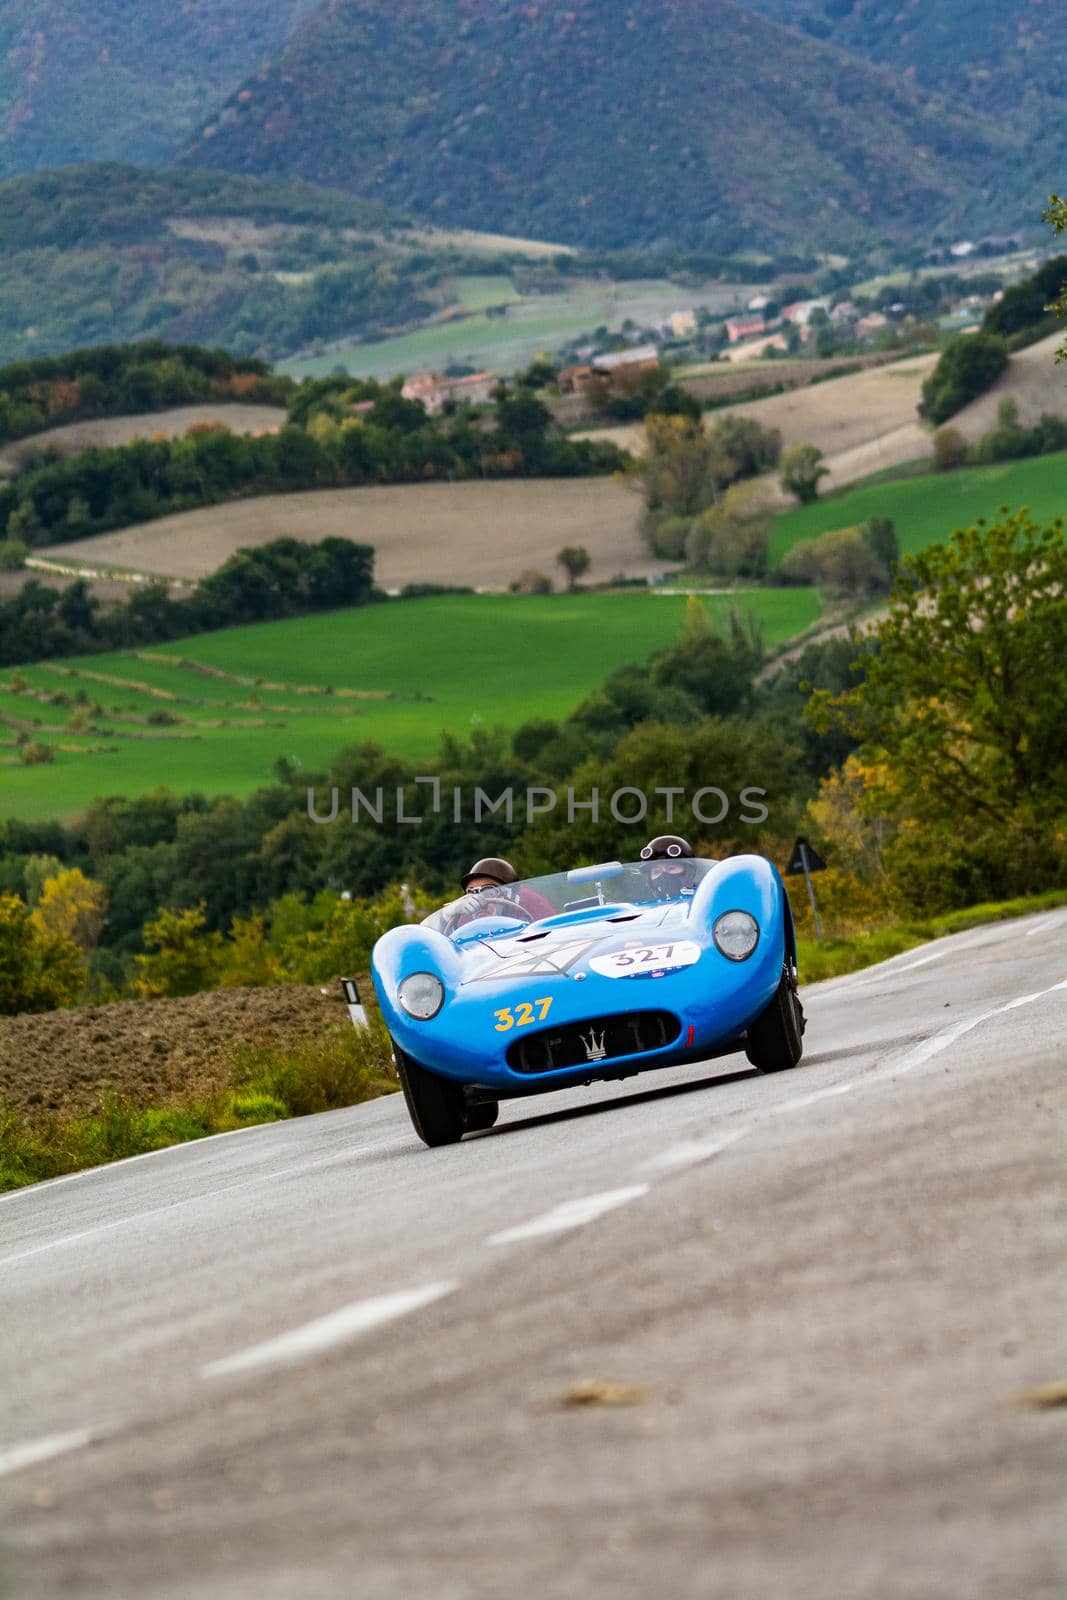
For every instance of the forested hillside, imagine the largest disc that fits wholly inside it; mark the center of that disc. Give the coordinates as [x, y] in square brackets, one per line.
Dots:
[633, 122]
[120, 81]
[1008, 58]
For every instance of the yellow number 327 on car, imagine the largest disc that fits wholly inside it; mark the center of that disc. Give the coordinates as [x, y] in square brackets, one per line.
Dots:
[522, 1014]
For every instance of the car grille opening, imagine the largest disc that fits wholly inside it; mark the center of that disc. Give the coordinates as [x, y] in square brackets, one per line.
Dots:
[588, 1043]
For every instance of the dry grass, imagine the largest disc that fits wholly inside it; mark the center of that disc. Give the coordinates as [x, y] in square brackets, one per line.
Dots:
[862, 423]
[476, 533]
[76, 436]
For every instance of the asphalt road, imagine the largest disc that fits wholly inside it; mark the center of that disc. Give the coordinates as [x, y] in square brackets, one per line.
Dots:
[318, 1360]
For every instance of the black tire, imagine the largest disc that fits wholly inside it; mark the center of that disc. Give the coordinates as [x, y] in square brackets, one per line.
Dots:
[774, 1042]
[436, 1106]
[482, 1115]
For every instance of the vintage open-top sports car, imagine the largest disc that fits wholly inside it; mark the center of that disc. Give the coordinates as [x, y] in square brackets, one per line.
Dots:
[578, 976]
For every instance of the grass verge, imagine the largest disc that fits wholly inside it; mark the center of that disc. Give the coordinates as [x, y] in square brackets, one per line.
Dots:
[835, 957]
[265, 1085]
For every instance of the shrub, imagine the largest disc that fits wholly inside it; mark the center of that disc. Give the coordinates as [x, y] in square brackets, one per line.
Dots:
[35, 754]
[950, 449]
[13, 553]
[530, 581]
[843, 561]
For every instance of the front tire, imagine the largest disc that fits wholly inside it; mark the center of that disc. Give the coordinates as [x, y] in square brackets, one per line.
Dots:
[774, 1042]
[482, 1115]
[436, 1106]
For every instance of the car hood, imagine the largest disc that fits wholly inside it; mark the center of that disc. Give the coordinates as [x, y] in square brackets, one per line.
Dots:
[565, 945]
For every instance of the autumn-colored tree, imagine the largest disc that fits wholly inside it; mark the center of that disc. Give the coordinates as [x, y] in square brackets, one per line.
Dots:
[71, 906]
[37, 971]
[182, 958]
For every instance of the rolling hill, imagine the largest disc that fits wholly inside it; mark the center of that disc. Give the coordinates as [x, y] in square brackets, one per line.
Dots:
[634, 122]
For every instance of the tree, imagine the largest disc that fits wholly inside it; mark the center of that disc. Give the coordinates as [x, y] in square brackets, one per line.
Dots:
[183, 958]
[1057, 216]
[962, 705]
[969, 366]
[682, 468]
[72, 907]
[574, 559]
[37, 971]
[802, 472]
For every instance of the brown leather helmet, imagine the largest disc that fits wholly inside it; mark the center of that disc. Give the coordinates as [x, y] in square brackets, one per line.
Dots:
[494, 867]
[666, 847]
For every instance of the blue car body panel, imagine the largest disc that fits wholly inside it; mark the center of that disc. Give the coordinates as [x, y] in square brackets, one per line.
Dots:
[507, 981]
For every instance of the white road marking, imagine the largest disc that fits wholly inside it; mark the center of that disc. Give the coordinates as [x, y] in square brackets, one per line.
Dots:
[338, 1327]
[112, 1166]
[809, 1099]
[1045, 923]
[923, 961]
[948, 1036]
[570, 1214]
[17, 1456]
[689, 1152]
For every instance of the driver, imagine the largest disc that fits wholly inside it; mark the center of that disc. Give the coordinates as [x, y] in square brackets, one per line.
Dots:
[496, 875]
[671, 871]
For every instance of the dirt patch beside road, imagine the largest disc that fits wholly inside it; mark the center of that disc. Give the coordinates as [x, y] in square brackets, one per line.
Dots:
[150, 1050]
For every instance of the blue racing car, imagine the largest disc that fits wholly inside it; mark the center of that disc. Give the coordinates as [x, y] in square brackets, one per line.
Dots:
[597, 973]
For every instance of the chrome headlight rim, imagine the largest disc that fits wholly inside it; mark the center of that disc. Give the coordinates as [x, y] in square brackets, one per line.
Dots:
[752, 928]
[425, 1013]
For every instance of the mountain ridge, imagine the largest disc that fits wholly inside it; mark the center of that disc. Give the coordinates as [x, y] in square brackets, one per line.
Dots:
[475, 113]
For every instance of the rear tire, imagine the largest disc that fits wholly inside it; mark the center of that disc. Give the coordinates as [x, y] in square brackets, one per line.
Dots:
[482, 1115]
[436, 1106]
[774, 1042]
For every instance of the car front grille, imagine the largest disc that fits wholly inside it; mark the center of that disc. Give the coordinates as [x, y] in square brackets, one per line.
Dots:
[588, 1043]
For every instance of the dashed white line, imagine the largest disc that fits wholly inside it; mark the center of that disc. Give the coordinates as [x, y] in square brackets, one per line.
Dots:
[570, 1214]
[35, 1451]
[1045, 924]
[338, 1327]
[689, 1152]
[923, 961]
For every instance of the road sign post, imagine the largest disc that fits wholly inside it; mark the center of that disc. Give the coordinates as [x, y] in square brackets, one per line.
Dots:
[806, 860]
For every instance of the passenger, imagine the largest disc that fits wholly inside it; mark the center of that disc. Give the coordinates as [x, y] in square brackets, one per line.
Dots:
[671, 872]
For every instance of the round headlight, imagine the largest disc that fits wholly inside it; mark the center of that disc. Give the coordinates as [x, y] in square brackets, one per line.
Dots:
[422, 995]
[736, 934]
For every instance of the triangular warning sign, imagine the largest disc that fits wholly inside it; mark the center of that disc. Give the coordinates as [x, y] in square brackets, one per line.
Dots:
[804, 857]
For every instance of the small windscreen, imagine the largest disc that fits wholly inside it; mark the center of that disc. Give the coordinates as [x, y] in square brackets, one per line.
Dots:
[621, 883]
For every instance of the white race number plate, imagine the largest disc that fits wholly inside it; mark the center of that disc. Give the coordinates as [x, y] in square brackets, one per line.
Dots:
[644, 960]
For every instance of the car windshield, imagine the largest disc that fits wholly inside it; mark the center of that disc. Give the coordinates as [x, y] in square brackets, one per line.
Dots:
[633, 883]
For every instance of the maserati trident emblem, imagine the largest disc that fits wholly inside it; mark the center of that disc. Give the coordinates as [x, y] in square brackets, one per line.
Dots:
[594, 1047]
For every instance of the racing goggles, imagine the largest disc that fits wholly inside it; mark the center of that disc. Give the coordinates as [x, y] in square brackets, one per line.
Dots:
[672, 850]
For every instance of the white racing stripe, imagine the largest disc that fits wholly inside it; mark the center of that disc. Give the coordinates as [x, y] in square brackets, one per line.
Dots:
[16, 1456]
[571, 1214]
[338, 1327]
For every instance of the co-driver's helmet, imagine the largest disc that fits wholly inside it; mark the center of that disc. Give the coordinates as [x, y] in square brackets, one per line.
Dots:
[670, 864]
[494, 867]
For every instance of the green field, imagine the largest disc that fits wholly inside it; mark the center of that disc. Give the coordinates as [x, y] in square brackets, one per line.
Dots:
[926, 510]
[448, 663]
[533, 324]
